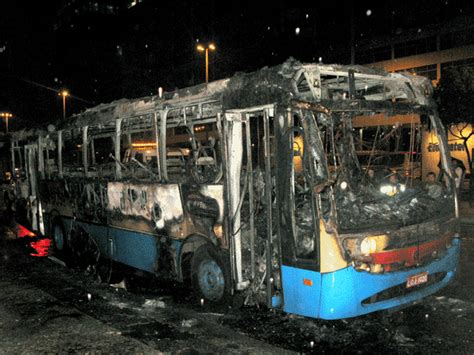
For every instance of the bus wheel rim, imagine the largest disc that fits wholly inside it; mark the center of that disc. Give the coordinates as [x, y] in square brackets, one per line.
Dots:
[211, 280]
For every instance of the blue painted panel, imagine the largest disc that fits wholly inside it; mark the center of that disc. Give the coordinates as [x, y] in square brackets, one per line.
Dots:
[138, 250]
[100, 235]
[135, 249]
[342, 292]
[299, 298]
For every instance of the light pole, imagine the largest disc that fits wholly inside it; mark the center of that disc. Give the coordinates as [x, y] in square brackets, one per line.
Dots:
[64, 94]
[201, 48]
[6, 116]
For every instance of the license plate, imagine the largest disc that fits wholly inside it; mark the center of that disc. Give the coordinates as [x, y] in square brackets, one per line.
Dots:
[417, 279]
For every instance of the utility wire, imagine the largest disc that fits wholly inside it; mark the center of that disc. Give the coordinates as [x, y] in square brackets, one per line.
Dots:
[48, 88]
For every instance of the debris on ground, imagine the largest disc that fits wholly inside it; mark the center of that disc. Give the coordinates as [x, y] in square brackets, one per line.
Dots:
[154, 304]
[189, 323]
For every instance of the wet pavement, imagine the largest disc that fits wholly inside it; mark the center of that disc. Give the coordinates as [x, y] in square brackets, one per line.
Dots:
[46, 307]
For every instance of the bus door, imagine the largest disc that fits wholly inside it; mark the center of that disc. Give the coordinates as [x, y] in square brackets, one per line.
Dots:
[33, 210]
[19, 170]
[250, 186]
[302, 174]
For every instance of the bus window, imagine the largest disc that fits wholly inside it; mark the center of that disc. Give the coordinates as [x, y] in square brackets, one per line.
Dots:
[139, 157]
[388, 189]
[258, 142]
[72, 152]
[396, 151]
[50, 156]
[305, 231]
[99, 155]
[18, 159]
[193, 152]
[178, 150]
[103, 147]
[138, 147]
[299, 241]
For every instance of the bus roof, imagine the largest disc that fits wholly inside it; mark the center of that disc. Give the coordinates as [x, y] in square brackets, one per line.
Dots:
[282, 83]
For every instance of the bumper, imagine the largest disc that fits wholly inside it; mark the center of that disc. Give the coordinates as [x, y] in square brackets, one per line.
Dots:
[340, 294]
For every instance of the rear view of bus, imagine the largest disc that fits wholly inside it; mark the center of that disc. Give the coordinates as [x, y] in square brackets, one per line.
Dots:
[364, 226]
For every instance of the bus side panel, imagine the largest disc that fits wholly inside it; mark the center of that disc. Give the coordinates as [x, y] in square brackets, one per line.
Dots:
[343, 291]
[135, 249]
[301, 291]
[98, 232]
[138, 250]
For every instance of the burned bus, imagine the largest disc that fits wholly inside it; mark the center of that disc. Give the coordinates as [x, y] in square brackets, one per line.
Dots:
[287, 185]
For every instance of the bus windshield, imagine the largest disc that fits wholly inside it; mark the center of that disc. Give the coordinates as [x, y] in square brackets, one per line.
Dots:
[380, 181]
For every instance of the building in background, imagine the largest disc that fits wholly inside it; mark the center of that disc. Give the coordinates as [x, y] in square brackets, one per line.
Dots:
[428, 51]
[423, 51]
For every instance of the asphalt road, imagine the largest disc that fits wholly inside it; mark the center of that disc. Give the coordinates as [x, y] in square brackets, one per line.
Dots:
[46, 307]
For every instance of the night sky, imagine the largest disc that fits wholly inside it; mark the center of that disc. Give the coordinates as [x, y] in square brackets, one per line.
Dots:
[124, 51]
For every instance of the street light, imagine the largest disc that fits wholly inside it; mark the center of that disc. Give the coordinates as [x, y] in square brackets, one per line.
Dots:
[201, 48]
[6, 116]
[64, 94]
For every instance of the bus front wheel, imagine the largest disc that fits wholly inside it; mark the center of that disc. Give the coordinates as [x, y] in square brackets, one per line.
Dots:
[210, 275]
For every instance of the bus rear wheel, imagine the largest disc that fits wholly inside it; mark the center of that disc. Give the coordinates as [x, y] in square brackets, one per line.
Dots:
[58, 236]
[210, 275]
[59, 242]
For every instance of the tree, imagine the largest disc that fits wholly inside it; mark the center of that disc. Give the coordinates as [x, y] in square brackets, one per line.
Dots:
[455, 97]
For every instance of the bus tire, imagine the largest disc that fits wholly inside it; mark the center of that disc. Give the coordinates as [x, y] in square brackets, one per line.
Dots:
[60, 243]
[58, 235]
[210, 275]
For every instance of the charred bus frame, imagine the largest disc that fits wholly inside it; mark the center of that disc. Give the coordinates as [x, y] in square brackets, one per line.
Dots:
[218, 204]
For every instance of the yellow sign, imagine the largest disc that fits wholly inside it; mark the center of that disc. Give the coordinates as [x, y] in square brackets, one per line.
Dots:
[430, 147]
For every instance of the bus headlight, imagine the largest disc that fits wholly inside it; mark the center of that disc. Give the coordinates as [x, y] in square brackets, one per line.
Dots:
[368, 245]
[373, 244]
